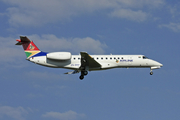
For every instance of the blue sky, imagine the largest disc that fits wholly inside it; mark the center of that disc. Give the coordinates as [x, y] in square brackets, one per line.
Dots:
[148, 27]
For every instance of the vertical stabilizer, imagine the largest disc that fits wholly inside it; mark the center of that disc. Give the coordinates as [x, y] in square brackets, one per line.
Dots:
[29, 47]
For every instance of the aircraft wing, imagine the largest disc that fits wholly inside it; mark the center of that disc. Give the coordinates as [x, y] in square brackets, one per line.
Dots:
[88, 61]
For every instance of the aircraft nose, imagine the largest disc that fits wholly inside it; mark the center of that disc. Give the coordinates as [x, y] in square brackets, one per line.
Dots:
[155, 63]
[161, 64]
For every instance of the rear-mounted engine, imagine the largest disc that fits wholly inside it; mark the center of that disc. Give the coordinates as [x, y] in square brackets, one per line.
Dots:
[59, 56]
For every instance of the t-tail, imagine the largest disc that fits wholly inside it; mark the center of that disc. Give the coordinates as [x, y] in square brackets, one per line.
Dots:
[30, 48]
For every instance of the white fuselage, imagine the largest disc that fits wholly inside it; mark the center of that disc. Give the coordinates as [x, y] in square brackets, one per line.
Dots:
[106, 61]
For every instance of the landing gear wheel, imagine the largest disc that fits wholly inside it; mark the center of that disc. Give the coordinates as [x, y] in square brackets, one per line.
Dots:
[81, 77]
[85, 72]
[151, 73]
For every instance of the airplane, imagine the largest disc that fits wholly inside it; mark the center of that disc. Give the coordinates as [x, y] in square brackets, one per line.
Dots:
[84, 62]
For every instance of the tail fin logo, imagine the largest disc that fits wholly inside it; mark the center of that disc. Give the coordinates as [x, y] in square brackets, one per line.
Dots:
[31, 47]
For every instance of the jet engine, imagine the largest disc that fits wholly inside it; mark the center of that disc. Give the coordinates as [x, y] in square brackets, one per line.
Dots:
[59, 56]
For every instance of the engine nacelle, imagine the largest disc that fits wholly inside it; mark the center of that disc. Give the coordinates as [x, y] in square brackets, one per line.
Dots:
[59, 56]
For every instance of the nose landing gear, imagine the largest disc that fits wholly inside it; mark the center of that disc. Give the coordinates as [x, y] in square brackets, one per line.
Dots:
[151, 72]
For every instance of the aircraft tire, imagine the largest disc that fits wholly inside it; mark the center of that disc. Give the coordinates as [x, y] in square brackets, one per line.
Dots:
[85, 72]
[81, 77]
[151, 73]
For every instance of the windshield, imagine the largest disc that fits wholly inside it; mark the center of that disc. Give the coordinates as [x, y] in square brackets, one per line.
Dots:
[144, 57]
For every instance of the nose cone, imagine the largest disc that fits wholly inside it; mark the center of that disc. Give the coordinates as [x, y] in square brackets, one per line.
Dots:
[158, 64]
[161, 64]
[155, 63]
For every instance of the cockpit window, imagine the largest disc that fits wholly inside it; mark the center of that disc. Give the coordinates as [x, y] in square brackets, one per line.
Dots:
[144, 57]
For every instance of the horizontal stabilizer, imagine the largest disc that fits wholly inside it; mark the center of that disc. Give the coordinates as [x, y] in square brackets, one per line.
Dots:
[72, 72]
[18, 43]
[23, 39]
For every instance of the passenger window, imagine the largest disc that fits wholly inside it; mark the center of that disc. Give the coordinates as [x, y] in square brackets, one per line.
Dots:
[106, 58]
[111, 58]
[114, 58]
[122, 58]
[101, 58]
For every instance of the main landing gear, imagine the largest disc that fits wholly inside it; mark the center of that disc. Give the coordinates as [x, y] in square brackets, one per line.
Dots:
[81, 77]
[83, 73]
